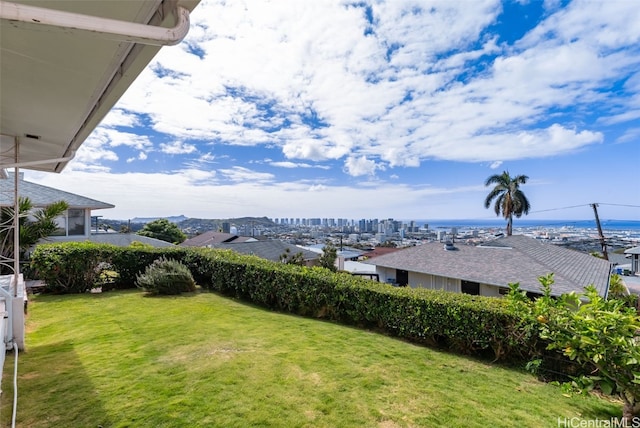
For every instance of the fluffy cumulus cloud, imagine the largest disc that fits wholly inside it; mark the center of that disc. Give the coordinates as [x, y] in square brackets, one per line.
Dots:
[374, 89]
[357, 166]
[177, 148]
[398, 82]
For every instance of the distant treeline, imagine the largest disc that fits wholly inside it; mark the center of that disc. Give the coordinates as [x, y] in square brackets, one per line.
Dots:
[193, 225]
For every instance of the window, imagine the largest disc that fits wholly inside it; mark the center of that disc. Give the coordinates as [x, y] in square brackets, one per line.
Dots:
[72, 223]
[76, 222]
[469, 287]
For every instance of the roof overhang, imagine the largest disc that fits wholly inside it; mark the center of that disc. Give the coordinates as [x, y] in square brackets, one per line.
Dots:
[65, 64]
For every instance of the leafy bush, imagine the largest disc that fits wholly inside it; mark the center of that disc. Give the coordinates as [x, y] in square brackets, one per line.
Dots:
[166, 276]
[73, 267]
[596, 332]
[462, 323]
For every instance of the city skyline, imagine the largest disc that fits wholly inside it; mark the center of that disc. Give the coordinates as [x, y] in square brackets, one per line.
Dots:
[325, 108]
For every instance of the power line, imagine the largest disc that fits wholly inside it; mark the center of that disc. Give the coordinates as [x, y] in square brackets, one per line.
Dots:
[621, 205]
[583, 205]
[559, 209]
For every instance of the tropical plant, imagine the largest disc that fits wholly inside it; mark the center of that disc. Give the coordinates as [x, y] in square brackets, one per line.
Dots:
[509, 199]
[33, 225]
[593, 331]
[328, 257]
[617, 288]
[292, 259]
[164, 230]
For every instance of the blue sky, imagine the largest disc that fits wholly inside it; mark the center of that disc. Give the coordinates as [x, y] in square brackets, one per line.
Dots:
[376, 109]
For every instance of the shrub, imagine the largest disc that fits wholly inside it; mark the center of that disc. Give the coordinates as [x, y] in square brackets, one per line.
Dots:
[595, 332]
[166, 276]
[468, 324]
[73, 267]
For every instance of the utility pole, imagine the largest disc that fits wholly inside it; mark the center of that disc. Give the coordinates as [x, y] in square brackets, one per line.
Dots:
[602, 241]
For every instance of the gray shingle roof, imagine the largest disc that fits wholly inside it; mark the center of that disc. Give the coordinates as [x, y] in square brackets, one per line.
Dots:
[125, 239]
[42, 196]
[212, 237]
[505, 260]
[270, 250]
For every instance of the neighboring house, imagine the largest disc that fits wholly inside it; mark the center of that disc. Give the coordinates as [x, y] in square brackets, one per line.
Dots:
[126, 239]
[211, 237]
[489, 268]
[270, 250]
[74, 225]
[346, 258]
[634, 255]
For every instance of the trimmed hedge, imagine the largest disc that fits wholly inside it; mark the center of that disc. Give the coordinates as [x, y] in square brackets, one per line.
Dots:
[462, 323]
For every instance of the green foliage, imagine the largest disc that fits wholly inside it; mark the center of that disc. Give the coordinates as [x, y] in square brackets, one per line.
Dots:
[617, 289]
[164, 230]
[463, 323]
[32, 230]
[593, 331]
[138, 244]
[72, 267]
[292, 259]
[328, 258]
[166, 276]
[509, 199]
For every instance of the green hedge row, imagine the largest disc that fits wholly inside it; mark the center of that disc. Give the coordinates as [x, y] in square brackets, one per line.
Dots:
[460, 322]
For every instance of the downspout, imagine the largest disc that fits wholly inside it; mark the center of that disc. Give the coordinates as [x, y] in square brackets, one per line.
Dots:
[21, 15]
[16, 226]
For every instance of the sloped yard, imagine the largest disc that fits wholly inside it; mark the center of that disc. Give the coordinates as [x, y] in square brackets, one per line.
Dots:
[121, 359]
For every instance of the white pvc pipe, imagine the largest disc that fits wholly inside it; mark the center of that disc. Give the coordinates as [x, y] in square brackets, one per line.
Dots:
[105, 27]
[16, 226]
[38, 162]
[15, 387]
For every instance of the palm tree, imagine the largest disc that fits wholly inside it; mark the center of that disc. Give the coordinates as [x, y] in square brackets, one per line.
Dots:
[34, 225]
[509, 198]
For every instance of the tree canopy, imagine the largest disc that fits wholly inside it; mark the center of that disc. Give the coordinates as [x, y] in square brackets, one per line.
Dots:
[164, 230]
[509, 199]
[34, 225]
[328, 257]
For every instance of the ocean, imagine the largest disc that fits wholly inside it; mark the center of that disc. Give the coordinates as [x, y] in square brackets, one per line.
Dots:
[607, 225]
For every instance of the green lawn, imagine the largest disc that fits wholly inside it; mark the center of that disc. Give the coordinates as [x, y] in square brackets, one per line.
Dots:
[121, 359]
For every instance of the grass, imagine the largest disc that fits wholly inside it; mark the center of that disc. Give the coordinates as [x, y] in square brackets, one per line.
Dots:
[121, 359]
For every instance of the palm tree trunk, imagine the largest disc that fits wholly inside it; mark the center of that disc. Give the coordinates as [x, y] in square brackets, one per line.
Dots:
[509, 225]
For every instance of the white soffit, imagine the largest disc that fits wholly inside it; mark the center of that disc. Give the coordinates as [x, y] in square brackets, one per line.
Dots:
[58, 82]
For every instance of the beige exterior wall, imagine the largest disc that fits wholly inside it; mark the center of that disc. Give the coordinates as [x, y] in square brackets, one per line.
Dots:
[435, 282]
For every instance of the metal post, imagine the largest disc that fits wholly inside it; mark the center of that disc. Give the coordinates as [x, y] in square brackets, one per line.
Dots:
[602, 241]
[16, 223]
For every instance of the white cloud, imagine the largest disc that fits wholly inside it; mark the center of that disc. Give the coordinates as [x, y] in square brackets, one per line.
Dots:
[631, 134]
[177, 148]
[243, 175]
[249, 197]
[360, 166]
[315, 85]
[120, 117]
[392, 95]
[291, 165]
